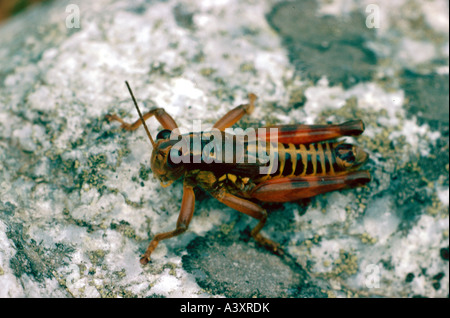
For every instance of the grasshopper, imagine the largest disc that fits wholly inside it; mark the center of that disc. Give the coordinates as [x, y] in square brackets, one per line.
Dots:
[306, 160]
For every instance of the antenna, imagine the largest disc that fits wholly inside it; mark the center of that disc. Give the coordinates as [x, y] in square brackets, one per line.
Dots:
[140, 115]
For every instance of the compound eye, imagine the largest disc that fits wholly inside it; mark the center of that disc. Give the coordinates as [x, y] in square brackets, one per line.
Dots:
[163, 134]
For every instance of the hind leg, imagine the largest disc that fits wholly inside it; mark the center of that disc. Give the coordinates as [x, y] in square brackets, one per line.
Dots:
[305, 134]
[296, 188]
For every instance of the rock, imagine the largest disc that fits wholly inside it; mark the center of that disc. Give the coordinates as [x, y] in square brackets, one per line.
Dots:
[79, 203]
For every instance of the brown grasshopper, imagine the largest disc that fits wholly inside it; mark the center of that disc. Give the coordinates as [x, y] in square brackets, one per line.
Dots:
[308, 162]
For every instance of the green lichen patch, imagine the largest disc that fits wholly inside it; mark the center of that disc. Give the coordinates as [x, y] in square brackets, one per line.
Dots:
[93, 178]
[125, 228]
[346, 265]
[33, 258]
[72, 168]
[112, 290]
[367, 238]
[207, 71]
[79, 222]
[7, 209]
[247, 67]
[144, 172]
[97, 256]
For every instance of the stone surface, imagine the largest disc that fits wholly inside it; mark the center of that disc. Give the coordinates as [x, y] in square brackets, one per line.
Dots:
[225, 265]
[78, 203]
[340, 52]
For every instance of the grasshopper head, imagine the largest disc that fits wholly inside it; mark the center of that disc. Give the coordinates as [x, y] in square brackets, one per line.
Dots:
[160, 162]
[163, 168]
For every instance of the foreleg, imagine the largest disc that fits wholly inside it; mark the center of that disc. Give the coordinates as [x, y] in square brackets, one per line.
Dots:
[184, 218]
[160, 114]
